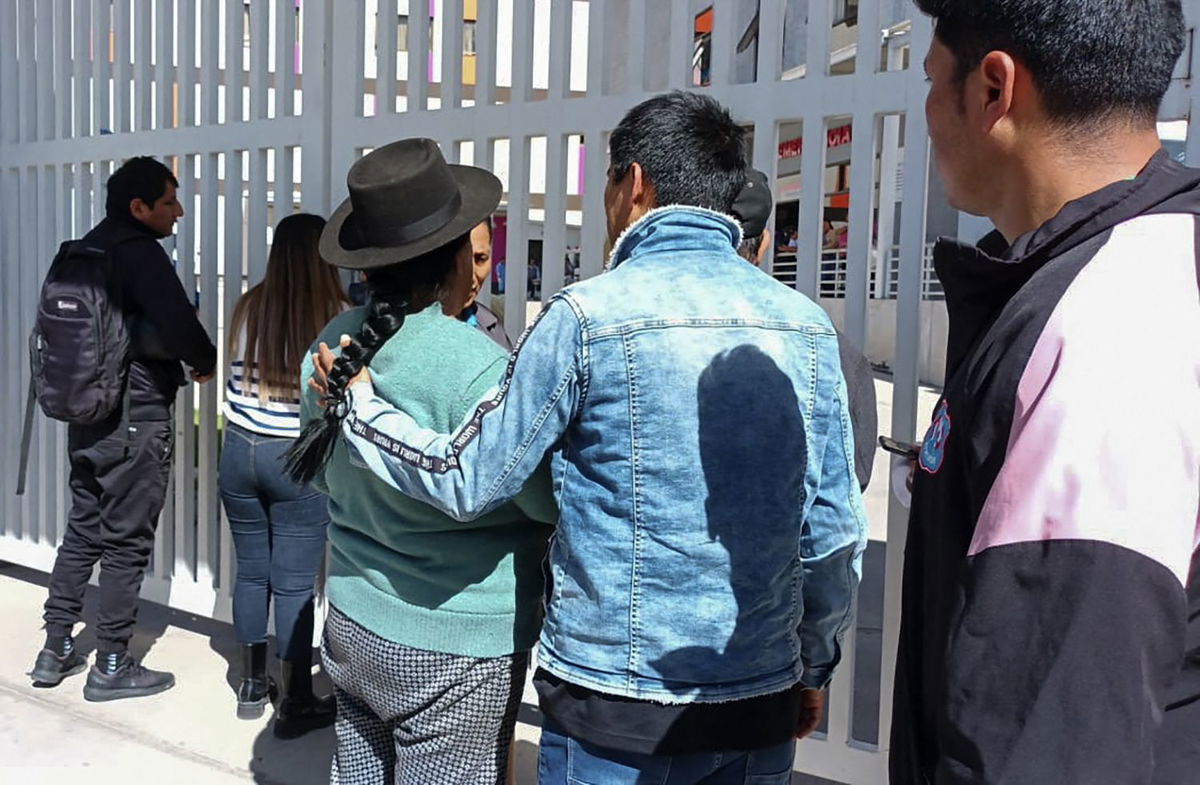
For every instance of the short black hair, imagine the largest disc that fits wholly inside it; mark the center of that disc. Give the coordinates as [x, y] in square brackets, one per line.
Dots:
[1092, 60]
[688, 146]
[142, 178]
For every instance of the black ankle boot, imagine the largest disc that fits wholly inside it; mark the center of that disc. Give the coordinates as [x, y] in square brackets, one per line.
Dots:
[299, 710]
[255, 689]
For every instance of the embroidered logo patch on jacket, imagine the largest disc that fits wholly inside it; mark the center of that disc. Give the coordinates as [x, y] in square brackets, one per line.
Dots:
[933, 449]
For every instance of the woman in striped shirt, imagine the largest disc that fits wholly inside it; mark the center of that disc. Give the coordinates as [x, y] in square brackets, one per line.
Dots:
[278, 525]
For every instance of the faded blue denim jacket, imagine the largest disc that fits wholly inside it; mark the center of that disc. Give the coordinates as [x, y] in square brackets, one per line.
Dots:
[711, 531]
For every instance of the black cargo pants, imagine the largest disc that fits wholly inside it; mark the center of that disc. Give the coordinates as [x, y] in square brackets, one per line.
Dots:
[119, 474]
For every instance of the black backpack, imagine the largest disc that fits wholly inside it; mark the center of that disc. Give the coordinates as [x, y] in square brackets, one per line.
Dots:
[79, 347]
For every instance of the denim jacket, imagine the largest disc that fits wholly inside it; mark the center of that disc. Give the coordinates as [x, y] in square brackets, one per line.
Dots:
[711, 531]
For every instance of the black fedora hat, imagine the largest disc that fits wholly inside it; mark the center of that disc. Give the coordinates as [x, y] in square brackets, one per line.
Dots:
[405, 200]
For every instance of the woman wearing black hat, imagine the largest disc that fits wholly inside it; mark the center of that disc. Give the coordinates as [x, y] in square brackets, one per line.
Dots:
[431, 621]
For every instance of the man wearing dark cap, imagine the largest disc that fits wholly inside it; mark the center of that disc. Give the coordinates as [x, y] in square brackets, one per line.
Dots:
[753, 208]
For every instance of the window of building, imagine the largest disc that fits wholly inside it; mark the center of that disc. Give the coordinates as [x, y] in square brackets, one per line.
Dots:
[845, 12]
[402, 32]
[468, 37]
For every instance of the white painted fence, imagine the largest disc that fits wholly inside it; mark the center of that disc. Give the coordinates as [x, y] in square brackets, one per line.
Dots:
[258, 120]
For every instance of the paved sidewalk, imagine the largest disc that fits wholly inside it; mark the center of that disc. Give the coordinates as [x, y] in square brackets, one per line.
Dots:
[187, 735]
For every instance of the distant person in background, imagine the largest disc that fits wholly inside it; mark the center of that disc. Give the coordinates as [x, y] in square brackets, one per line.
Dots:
[753, 208]
[498, 277]
[476, 313]
[278, 525]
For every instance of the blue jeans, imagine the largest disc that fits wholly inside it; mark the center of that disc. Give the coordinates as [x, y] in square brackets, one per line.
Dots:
[279, 539]
[566, 761]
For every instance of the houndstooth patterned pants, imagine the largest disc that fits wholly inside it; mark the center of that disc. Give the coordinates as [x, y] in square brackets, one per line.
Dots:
[414, 717]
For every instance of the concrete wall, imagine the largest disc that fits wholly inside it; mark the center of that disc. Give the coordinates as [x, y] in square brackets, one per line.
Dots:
[881, 332]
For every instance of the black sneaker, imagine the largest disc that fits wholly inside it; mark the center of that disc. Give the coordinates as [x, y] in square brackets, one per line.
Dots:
[51, 668]
[123, 677]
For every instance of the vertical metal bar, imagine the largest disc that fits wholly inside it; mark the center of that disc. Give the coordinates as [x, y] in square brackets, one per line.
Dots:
[102, 66]
[285, 58]
[83, 124]
[27, 209]
[260, 51]
[812, 198]
[597, 70]
[770, 40]
[187, 66]
[593, 239]
[347, 100]
[256, 250]
[142, 61]
[554, 233]
[385, 56]
[319, 31]
[122, 71]
[818, 29]
[418, 55]
[517, 252]
[635, 70]
[485, 54]
[10, 73]
[522, 52]
[858, 250]
[723, 41]
[766, 160]
[680, 43]
[10, 272]
[908, 338]
[866, 54]
[45, 69]
[452, 52]
[164, 66]
[234, 54]
[284, 175]
[47, 456]
[210, 44]
[26, 68]
[63, 61]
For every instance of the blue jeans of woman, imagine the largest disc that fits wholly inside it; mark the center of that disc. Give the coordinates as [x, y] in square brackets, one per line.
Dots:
[279, 532]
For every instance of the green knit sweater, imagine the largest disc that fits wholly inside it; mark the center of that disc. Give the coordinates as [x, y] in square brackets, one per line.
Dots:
[401, 568]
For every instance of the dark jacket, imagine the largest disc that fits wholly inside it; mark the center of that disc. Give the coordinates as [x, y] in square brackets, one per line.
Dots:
[164, 327]
[864, 419]
[1051, 618]
[488, 323]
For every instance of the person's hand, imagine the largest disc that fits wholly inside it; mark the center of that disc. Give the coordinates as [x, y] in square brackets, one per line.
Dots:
[812, 708]
[202, 378]
[323, 362]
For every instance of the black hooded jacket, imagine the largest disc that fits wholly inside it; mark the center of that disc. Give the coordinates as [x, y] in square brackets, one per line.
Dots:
[164, 327]
[1051, 609]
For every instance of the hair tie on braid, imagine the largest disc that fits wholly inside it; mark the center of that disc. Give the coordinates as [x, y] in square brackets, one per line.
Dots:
[312, 449]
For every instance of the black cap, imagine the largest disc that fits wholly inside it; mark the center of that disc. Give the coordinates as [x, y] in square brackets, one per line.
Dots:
[753, 204]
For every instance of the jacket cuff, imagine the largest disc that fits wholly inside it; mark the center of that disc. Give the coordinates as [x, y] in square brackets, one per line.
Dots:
[816, 678]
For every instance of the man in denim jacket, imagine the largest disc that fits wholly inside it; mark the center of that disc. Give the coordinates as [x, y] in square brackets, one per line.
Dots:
[706, 559]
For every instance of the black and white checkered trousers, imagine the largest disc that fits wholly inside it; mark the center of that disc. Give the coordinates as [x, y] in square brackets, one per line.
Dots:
[414, 717]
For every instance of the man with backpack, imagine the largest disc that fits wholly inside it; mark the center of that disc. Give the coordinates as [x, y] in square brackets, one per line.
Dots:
[114, 323]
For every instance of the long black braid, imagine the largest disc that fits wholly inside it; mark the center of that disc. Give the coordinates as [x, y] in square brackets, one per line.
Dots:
[393, 290]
